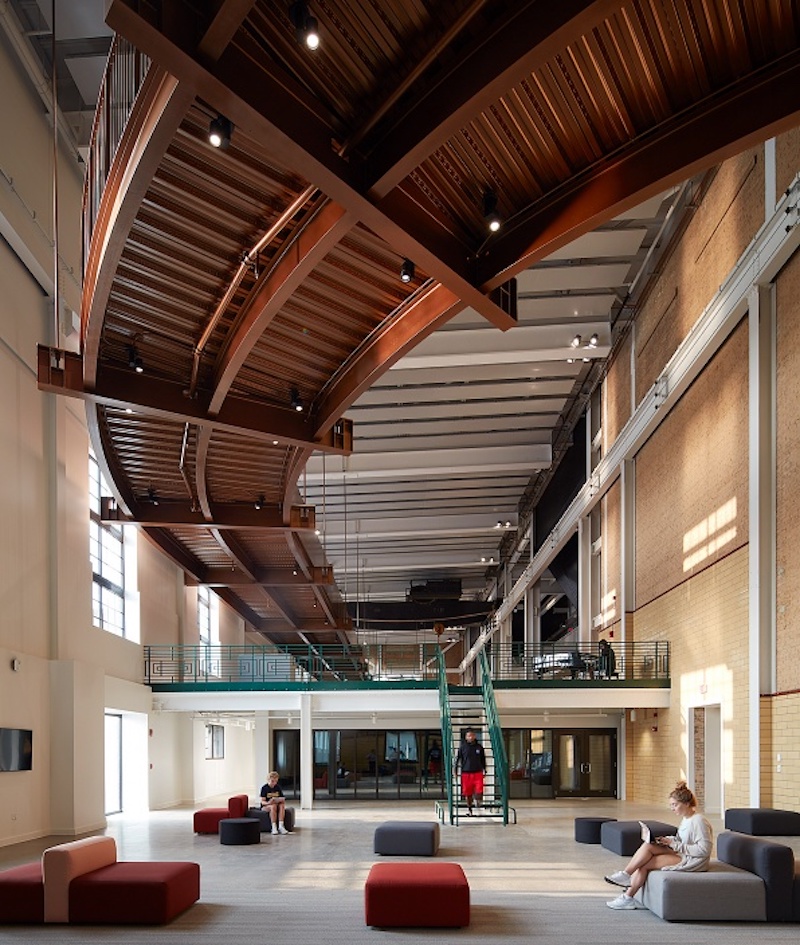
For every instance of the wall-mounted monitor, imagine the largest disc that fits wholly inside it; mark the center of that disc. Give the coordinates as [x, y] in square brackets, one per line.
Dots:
[16, 749]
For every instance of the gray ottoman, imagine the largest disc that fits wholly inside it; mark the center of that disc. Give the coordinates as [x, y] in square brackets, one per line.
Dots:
[407, 838]
[262, 816]
[239, 831]
[624, 836]
[763, 821]
[587, 829]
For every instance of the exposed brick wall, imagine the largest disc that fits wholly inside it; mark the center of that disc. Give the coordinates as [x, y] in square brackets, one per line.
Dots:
[705, 619]
[692, 477]
[611, 587]
[788, 477]
[782, 715]
[720, 230]
[617, 408]
[787, 148]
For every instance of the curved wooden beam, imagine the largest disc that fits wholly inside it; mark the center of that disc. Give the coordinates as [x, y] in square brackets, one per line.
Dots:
[756, 108]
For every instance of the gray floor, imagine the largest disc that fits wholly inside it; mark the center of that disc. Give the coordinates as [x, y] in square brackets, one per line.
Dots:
[528, 881]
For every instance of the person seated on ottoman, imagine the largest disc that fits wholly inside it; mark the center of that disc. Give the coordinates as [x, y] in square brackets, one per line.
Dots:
[272, 800]
[689, 851]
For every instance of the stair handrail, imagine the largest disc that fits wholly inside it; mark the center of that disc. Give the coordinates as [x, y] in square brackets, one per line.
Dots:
[447, 731]
[495, 734]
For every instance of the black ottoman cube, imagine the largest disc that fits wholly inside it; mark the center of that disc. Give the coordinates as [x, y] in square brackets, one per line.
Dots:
[625, 836]
[763, 821]
[587, 829]
[239, 831]
[407, 838]
[262, 816]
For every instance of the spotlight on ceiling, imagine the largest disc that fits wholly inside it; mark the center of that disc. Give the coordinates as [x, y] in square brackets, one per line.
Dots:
[593, 340]
[490, 213]
[305, 25]
[152, 495]
[576, 342]
[407, 271]
[296, 400]
[134, 359]
[219, 132]
[261, 501]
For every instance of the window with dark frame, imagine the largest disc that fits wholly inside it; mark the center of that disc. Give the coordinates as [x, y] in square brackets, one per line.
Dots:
[106, 552]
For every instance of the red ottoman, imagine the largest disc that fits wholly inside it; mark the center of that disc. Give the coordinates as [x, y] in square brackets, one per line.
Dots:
[22, 894]
[416, 894]
[130, 893]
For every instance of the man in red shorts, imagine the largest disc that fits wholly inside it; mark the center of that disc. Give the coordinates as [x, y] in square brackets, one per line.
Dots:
[472, 762]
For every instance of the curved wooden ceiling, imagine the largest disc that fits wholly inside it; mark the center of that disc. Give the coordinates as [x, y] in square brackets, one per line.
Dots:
[243, 274]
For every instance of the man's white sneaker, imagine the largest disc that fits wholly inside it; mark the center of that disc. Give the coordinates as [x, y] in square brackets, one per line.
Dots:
[624, 902]
[620, 878]
[282, 829]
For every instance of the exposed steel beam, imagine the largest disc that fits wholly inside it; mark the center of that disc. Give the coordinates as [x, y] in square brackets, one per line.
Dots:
[170, 514]
[121, 388]
[270, 577]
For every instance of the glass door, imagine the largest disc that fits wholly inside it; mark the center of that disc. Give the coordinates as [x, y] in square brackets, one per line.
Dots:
[586, 763]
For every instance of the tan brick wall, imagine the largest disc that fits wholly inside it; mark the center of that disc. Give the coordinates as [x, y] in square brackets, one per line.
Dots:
[787, 149]
[787, 578]
[723, 225]
[692, 477]
[705, 620]
[617, 393]
[611, 587]
[780, 788]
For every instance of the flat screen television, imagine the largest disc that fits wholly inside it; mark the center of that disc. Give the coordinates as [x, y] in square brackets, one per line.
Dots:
[16, 749]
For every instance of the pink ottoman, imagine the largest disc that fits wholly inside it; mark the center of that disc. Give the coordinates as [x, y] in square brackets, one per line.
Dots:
[416, 894]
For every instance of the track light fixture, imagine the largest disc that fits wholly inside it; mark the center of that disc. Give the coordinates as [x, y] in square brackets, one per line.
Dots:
[490, 213]
[407, 271]
[219, 132]
[134, 359]
[305, 25]
[296, 400]
[593, 340]
[261, 501]
[576, 342]
[152, 495]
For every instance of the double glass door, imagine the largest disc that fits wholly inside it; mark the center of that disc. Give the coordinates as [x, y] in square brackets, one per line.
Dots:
[585, 763]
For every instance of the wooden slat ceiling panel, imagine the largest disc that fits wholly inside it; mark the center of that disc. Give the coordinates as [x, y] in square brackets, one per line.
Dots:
[203, 545]
[149, 451]
[240, 470]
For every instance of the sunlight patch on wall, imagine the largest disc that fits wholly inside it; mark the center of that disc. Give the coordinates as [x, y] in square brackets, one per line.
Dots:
[608, 605]
[710, 535]
[708, 687]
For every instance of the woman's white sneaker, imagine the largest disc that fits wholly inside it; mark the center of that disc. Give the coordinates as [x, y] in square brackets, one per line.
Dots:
[624, 902]
[620, 878]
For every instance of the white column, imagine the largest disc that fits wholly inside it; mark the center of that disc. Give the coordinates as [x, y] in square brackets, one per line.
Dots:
[626, 599]
[584, 580]
[306, 751]
[262, 745]
[762, 502]
[533, 617]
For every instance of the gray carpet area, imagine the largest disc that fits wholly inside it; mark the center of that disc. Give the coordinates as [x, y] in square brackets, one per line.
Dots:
[528, 883]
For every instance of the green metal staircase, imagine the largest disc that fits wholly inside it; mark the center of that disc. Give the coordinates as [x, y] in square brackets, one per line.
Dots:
[461, 707]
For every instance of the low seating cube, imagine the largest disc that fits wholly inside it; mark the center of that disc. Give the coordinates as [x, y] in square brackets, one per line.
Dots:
[239, 831]
[409, 895]
[624, 836]
[587, 829]
[761, 821]
[131, 893]
[262, 816]
[407, 838]
[207, 820]
[724, 893]
[22, 894]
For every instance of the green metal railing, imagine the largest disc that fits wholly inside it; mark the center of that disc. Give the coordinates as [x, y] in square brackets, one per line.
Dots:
[402, 665]
[447, 731]
[495, 736]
